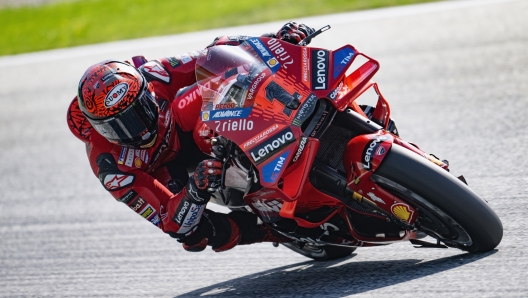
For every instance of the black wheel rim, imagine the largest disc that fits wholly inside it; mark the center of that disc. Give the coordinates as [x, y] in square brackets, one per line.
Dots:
[431, 219]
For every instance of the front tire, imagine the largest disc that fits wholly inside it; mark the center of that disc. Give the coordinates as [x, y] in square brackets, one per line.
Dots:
[448, 209]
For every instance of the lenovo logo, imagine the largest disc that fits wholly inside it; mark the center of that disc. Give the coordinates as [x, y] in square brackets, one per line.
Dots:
[266, 149]
[319, 70]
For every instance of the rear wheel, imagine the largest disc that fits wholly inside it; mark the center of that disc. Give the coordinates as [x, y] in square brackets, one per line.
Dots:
[320, 253]
[448, 209]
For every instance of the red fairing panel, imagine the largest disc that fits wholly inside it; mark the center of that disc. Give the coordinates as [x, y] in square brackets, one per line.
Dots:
[362, 157]
[364, 153]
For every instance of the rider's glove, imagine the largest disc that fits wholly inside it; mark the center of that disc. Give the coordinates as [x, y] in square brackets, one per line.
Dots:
[293, 33]
[204, 181]
[216, 230]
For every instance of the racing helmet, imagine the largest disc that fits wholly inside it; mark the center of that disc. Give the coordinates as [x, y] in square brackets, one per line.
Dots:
[119, 104]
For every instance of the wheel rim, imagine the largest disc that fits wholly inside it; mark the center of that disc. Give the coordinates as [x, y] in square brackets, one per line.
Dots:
[431, 220]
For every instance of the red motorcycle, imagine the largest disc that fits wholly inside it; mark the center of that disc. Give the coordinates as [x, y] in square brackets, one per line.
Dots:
[328, 173]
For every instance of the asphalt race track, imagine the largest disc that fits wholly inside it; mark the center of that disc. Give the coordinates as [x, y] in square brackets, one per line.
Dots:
[456, 76]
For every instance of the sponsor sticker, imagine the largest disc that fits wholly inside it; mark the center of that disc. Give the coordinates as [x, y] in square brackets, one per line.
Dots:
[402, 211]
[187, 216]
[128, 197]
[264, 53]
[138, 162]
[341, 59]
[167, 119]
[255, 84]
[189, 98]
[205, 115]
[300, 150]
[137, 204]
[129, 158]
[117, 181]
[335, 92]
[156, 71]
[163, 104]
[185, 58]
[106, 77]
[228, 105]
[181, 212]
[375, 198]
[319, 123]
[155, 220]
[305, 66]
[194, 54]
[369, 150]
[319, 69]
[261, 136]
[173, 62]
[272, 145]
[147, 211]
[122, 155]
[305, 110]
[233, 125]
[280, 53]
[116, 94]
[225, 114]
[193, 216]
[271, 171]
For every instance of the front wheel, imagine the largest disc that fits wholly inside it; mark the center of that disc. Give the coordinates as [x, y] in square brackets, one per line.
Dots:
[448, 209]
[320, 253]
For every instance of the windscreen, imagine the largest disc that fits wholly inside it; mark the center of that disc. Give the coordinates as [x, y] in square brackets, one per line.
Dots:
[224, 77]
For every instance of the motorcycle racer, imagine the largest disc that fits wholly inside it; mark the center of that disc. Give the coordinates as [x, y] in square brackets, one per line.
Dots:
[142, 131]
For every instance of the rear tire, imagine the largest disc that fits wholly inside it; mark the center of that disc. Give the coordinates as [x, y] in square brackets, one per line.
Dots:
[448, 209]
[321, 253]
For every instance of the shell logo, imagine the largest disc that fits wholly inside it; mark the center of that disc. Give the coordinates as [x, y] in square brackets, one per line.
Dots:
[137, 162]
[272, 62]
[205, 115]
[402, 211]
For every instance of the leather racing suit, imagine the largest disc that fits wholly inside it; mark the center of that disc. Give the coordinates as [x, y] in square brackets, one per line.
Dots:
[152, 181]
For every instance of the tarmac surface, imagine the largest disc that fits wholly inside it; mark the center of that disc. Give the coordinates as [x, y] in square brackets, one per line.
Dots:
[455, 73]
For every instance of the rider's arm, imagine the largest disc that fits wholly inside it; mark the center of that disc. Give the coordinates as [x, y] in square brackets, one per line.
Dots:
[176, 214]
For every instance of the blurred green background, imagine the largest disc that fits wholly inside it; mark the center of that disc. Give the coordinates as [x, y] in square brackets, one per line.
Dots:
[43, 25]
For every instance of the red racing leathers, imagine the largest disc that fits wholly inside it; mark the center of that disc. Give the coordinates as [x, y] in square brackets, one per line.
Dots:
[152, 181]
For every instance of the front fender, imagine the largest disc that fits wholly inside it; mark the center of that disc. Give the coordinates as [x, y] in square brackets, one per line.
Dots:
[365, 153]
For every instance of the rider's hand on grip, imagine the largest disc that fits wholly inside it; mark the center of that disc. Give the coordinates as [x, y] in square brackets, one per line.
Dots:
[207, 175]
[219, 147]
[293, 33]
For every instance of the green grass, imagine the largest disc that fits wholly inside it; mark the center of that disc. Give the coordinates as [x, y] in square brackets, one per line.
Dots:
[67, 24]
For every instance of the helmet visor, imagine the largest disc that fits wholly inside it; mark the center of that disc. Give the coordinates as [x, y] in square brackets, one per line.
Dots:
[135, 126]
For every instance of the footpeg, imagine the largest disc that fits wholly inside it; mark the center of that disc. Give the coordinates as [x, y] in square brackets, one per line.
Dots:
[425, 244]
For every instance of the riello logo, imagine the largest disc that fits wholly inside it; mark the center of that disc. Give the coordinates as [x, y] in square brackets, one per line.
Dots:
[266, 149]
